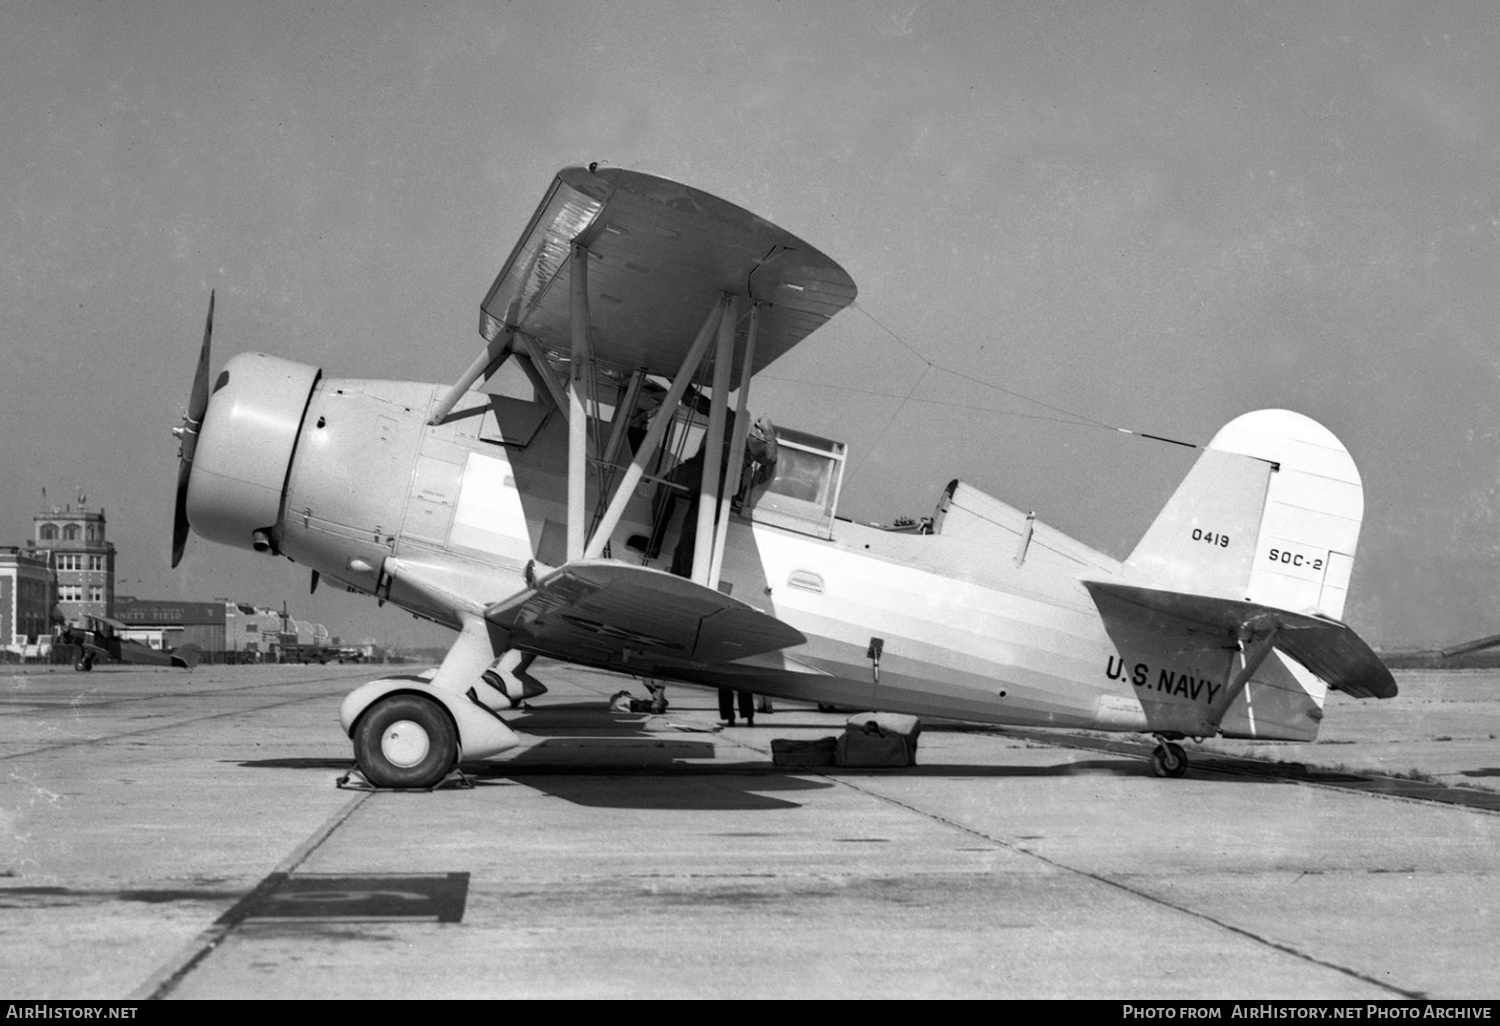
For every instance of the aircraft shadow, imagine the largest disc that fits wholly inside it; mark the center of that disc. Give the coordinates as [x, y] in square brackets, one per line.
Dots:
[617, 785]
[743, 786]
[303, 764]
[659, 783]
[666, 760]
[958, 771]
[662, 777]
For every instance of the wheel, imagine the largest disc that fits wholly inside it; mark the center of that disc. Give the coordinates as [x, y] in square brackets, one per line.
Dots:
[1169, 760]
[405, 741]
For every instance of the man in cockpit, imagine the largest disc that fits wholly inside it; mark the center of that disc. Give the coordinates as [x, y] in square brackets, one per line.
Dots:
[758, 464]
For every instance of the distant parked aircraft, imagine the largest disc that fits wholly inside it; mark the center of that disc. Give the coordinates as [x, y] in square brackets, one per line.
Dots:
[99, 637]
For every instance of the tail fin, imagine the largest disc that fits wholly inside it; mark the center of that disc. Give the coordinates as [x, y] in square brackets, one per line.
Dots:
[1269, 514]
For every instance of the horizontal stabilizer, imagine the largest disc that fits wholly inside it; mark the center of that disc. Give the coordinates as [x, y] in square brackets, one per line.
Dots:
[603, 612]
[1327, 647]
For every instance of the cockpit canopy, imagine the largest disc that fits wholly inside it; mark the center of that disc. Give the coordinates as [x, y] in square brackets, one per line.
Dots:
[803, 493]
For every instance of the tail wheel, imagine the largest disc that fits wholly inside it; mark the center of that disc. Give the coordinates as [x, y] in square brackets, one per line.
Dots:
[1169, 760]
[405, 741]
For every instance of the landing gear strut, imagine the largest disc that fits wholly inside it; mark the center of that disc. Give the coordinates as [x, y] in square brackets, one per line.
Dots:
[1169, 760]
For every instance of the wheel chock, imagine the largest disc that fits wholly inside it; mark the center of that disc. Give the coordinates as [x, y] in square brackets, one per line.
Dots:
[354, 780]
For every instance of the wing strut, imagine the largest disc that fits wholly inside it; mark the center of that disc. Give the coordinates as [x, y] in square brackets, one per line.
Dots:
[1251, 658]
[580, 393]
[536, 359]
[654, 436]
[486, 363]
[736, 448]
[624, 410]
[713, 448]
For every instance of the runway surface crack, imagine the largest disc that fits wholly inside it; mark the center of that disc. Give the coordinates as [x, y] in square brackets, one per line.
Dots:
[1135, 892]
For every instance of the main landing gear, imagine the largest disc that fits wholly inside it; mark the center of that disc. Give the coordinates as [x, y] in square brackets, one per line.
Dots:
[1168, 759]
[412, 731]
[405, 740]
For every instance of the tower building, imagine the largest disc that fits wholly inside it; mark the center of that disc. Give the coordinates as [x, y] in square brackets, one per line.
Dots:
[82, 558]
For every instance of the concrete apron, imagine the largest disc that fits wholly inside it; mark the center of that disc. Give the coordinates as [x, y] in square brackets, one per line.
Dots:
[176, 835]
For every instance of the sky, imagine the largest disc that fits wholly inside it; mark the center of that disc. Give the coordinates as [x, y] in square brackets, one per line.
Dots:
[1063, 218]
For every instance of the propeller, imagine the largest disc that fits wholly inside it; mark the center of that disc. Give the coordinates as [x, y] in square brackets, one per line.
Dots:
[192, 420]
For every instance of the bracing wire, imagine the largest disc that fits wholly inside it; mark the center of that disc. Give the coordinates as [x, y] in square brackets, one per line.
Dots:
[889, 421]
[1078, 417]
[1055, 413]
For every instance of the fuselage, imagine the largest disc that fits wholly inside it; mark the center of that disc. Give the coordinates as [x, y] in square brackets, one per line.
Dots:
[985, 618]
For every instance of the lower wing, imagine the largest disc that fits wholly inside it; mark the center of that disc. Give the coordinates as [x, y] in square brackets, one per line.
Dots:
[605, 613]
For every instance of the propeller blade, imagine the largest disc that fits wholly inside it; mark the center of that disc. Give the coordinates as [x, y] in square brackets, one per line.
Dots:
[198, 401]
[188, 433]
[180, 520]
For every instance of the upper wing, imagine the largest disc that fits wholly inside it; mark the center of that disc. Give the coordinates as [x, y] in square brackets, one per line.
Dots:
[606, 613]
[660, 253]
[1326, 647]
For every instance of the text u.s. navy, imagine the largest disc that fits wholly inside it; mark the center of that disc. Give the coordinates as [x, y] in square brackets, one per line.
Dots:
[1169, 681]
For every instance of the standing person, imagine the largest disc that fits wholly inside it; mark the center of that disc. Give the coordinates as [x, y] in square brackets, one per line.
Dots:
[658, 691]
[727, 698]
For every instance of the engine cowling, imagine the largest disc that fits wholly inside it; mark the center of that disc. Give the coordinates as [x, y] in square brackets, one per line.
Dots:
[245, 447]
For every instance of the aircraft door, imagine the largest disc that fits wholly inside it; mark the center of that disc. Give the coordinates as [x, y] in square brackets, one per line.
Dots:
[429, 512]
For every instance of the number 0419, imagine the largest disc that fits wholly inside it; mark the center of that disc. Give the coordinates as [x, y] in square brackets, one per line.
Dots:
[1212, 537]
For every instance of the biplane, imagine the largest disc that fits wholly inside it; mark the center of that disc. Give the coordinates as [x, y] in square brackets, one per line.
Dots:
[518, 522]
[99, 637]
